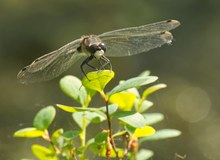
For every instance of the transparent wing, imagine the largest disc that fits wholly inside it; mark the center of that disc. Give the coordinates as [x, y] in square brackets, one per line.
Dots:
[134, 40]
[51, 65]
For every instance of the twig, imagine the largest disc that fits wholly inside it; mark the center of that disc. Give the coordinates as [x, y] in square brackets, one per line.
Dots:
[110, 126]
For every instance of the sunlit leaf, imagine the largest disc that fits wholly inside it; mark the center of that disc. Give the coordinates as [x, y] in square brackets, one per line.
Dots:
[29, 133]
[152, 118]
[133, 119]
[162, 134]
[44, 118]
[152, 89]
[131, 83]
[66, 108]
[97, 80]
[111, 108]
[77, 109]
[73, 88]
[43, 153]
[144, 131]
[144, 154]
[125, 100]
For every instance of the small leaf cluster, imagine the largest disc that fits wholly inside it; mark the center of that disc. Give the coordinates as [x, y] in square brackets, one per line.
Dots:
[123, 104]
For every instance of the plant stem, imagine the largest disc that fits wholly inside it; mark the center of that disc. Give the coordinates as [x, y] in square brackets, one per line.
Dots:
[109, 124]
[47, 138]
[83, 132]
[83, 135]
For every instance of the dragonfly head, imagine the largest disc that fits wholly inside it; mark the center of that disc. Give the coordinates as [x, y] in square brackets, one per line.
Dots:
[97, 50]
[92, 45]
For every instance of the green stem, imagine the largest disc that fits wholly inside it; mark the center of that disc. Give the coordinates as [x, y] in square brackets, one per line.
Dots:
[83, 135]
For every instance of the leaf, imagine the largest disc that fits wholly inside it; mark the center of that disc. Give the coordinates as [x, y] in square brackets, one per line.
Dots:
[145, 73]
[142, 105]
[76, 109]
[112, 108]
[144, 131]
[135, 120]
[144, 154]
[131, 83]
[44, 118]
[43, 153]
[71, 134]
[162, 134]
[152, 89]
[125, 100]
[100, 137]
[66, 108]
[73, 88]
[88, 117]
[80, 119]
[56, 137]
[29, 133]
[97, 80]
[152, 118]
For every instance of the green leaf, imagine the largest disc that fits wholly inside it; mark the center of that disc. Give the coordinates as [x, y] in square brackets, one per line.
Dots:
[43, 153]
[145, 73]
[131, 83]
[29, 133]
[152, 118]
[44, 118]
[100, 137]
[71, 134]
[125, 100]
[96, 148]
[56, 137]
[162, 134]
[96, 117]
[135, 120]
[88, 117]
[112, 108]
[80, 119]
[73, 88]
[97, 80]
[144, 154]
[142, 105]
[152, 89]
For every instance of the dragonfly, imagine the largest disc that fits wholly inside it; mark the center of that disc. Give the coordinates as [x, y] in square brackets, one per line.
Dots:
[116, 43]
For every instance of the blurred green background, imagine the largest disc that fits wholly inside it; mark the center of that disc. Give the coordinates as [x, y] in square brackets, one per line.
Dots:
[190, 67]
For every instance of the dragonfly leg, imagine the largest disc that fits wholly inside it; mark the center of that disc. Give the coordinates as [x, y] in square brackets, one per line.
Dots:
[86, 61]
[107, 62]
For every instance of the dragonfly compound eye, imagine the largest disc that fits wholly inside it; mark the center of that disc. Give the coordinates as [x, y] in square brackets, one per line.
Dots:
[102, 46]
[93, 48]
